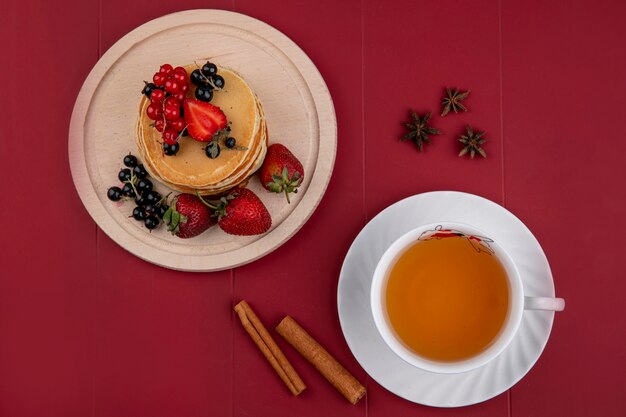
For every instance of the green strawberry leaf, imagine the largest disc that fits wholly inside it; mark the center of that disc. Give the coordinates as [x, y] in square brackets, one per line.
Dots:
[167, 217]
[283, 183]
[275, 188]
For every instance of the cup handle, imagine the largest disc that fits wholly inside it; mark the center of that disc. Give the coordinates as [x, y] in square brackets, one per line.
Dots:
[544, 303]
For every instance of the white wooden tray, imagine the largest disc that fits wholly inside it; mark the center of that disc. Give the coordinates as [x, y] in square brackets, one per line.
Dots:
[296, 101]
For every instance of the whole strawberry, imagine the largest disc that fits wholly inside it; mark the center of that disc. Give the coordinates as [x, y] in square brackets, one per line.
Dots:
[281, 171]
[189, 217]
[242, 213]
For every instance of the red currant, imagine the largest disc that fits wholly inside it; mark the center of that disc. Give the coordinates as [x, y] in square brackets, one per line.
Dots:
[172, 86]
[159, 79]
[170, 136]
[171, 112]
[178, 124]
[166, 69]
[180, 96]
[180, 69]
[154, 111]
[157, 96]
[184, 88]
[173, 101]
[179, 76]
[160, 125]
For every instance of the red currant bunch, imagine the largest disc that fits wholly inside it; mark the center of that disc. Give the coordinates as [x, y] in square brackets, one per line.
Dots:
[167, 92]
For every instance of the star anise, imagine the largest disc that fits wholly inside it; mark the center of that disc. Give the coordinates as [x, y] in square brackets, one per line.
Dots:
[452, 101]
[419, 130]
[471, 143]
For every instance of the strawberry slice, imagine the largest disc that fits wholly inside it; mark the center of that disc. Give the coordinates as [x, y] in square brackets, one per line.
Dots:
[203, 119]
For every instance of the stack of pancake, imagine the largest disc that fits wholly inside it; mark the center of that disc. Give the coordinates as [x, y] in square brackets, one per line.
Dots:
[190, 170]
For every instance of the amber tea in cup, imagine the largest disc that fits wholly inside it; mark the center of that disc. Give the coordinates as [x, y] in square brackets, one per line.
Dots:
[447, 297]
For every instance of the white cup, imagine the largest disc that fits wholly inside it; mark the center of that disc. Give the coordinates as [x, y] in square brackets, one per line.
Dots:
[517, 301]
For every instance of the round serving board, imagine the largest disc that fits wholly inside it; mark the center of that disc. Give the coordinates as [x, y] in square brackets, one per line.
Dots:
[296, 101]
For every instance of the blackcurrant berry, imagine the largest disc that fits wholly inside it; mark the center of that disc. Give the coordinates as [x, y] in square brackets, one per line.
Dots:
[160, 212]
[139, 213]
[204, 93]
[114, 193]
[230, 142]
[141, 201]
[152, 197]
[144, 185]
[218, 81]
[140, 171]
[128, 190]
[151, 222]
[196, 77]
[149, 209]
[171, 149]
[130, 161]
[148, 89]
[124, 175]
[209, 69]
[212, 150]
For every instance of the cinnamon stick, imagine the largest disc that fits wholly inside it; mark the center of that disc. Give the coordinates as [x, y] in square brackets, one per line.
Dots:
[263, 340]
[319, 357]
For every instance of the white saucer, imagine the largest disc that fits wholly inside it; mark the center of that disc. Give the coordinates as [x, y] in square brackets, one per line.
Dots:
[357, 323]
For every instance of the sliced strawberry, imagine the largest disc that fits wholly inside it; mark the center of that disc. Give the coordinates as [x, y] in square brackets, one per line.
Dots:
[203, 119]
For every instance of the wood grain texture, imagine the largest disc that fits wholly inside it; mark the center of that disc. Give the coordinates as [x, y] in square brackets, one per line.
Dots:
[447, 48]
[48, 248]
[566, 182]
[86, 328]
[298, 108]
[301, 276]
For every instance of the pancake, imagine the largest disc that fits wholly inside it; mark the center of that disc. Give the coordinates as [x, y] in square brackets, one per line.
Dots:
[241, 180]
[190, 170]
[249, 169]
[259, 147]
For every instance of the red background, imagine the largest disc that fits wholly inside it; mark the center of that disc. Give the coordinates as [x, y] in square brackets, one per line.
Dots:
[88, 329]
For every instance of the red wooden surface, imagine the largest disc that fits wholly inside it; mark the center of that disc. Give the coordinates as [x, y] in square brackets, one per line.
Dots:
[88, 329]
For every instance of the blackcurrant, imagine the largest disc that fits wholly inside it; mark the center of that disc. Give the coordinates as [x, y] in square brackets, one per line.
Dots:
[151, 222]
[128, 190]
[149, 209]
[209, 69]
[160, 212]
[141, 201]
[140, 171]
[212, 150]
[218, 81]
[148, 89]
[124, 175]
[152, 197]
[139, 213]
[196, 77]
[171, 149]
[230, 142]
[130, 161]
[204, 93]
[144, 185]
[114, 193]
